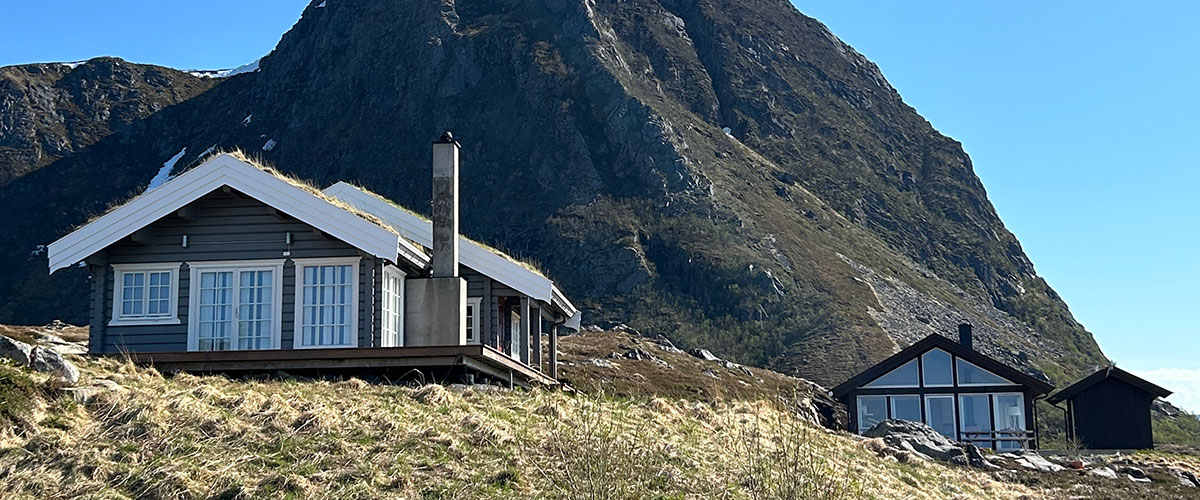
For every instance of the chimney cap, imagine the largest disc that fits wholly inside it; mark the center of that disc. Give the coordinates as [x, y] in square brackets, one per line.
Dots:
[446, 138]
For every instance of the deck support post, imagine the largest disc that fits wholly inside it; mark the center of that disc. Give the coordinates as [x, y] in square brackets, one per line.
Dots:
[488, 310]
[523, 336]
[554, 352]
[535, 343]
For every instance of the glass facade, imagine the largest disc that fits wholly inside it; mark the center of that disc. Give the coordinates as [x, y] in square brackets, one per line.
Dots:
[951, 395]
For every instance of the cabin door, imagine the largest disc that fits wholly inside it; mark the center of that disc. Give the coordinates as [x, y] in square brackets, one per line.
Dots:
[237, 309]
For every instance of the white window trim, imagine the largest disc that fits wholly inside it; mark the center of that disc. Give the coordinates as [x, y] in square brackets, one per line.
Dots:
[953, 410]
[858, 409]
[894, 370]
[194, 268]
[891, 402]
[1024, 418]
[476, 303]
[958, 360]
[390, 271]
[298, 299]
[953, 367]
[118, 294]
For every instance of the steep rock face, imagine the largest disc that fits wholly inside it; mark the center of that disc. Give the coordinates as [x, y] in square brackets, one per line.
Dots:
[48, 111]
[732, 176]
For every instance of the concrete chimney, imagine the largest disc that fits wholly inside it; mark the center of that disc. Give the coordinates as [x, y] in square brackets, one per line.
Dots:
[445, 207]
[435, 307]
[964, 335]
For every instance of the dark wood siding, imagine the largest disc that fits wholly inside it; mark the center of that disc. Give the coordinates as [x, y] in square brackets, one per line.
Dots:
[1111, 415]
[227, 226]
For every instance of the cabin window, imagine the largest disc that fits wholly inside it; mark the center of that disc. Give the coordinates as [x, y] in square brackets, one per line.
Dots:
[472, 320]
[393, 307]
[236, 305]
[939, 414]
[327, 306]
[905, 376]
[1009, 420]
[514, 329]
[871, 411]
[145, 294]
[976, 419]
[969, 374]
[906, 408]
[936, 369]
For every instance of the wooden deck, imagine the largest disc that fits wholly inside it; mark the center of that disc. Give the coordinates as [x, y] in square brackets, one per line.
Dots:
[478, 359]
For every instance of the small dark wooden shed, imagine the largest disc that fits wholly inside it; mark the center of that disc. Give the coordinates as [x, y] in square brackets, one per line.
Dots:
[1110, 410]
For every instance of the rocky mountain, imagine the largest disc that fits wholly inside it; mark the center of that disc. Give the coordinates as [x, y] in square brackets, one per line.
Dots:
[729, 175]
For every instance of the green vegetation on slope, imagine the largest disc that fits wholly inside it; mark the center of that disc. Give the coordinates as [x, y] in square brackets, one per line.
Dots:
[212, 437]
[1181, 430]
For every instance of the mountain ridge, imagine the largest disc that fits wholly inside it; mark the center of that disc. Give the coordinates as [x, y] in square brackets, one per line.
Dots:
[830, 224]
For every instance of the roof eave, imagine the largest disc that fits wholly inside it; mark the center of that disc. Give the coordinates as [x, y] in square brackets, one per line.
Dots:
[218, 171]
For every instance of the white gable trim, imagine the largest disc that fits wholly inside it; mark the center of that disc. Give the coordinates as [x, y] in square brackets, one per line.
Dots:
[222, 170]
[473, 255]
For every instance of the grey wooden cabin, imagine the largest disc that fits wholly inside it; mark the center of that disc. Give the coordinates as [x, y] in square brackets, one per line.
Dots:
[233, 267]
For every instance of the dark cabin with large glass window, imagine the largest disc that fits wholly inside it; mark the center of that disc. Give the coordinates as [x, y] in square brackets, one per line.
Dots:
[1110, 410]
[961, 393]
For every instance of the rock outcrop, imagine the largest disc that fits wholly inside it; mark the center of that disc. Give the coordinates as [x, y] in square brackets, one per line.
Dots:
[921, 441]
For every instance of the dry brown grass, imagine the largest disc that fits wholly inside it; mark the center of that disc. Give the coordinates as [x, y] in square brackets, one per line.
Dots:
[212, 437]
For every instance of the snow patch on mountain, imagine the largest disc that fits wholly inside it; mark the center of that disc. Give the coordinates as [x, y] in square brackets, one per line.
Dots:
[164, 173]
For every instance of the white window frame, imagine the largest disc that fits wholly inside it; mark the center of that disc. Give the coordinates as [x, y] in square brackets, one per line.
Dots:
[171, 318]
[958, 360]
[391, 272]
[928, 398]
[235, 266]
[894, 370]
[298, 328]
[953, 368]
[1024, 420]
[891, 402]
[859, 405]
[474, 303]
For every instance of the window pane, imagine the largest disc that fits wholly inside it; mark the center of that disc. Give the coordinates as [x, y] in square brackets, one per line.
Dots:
[969, 374]
[906, 408]
[939, 414]
[936, 367]
[976, 417]
[871, 411]
[905, 376]
[1010, 416]
[127, 279]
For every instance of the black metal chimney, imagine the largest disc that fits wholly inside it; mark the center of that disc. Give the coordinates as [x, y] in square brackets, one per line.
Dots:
[964, 335]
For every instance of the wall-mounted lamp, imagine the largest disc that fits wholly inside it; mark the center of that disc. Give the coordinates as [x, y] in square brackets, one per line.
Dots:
[185, 241]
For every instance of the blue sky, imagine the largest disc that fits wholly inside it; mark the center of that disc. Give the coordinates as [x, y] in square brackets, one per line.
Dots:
[1080, 118]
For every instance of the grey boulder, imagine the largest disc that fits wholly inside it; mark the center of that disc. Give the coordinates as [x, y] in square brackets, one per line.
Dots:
[50, 361]
[15, 350]
[1033, 461]
[919, 438]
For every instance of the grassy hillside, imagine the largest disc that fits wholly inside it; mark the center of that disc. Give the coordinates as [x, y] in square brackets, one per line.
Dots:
[212, 437]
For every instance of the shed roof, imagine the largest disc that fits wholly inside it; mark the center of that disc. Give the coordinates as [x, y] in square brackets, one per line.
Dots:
[486, 260]
[938, 341]
[290, 196]
[1108, 372]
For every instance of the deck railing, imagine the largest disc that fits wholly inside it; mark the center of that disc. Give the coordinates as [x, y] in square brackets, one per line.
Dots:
[1025, 438]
